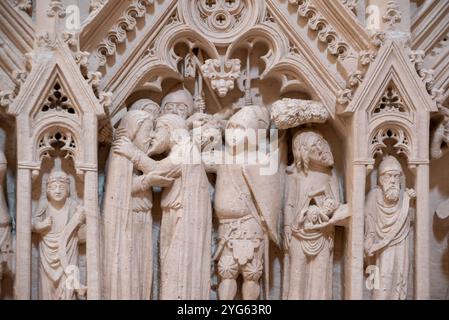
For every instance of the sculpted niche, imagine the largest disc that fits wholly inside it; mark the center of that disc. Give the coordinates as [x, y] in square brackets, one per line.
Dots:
[387, 230]
[58, 222]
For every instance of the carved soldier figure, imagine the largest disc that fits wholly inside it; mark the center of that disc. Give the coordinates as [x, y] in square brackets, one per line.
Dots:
[128, 245]
[185, 241]
[247, 205]
[5, 223]
[311, 211]
[179, 102]
[387, 229]
[57, 223]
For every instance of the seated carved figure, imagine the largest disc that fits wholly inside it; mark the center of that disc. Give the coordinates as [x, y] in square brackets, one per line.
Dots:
[57, 223]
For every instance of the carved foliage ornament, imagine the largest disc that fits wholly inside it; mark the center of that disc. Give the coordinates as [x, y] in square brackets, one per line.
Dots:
[222, 74]
[290, 113]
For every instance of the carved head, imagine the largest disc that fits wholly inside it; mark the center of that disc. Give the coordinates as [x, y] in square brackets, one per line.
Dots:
[310, 148]
[146, 105]
[390, 174]
[179, 102]
[58, 187]
[207, 131]
[170, 129]
[245, 124]
[139, 125]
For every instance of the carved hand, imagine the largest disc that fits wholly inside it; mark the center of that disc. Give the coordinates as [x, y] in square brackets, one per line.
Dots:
[81, 215]
[43, 226]
[369, 242]
[124, 147]
[151, 180]
[287, 237]
[411, 193]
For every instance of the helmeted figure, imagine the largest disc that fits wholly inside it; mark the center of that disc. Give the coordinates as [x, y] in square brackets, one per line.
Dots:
[247, 208]
[179, 102]
[387, 230]
[186, 228]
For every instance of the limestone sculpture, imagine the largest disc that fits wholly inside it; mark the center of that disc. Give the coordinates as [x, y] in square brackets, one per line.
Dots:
[185, 240]
[127, 220]
[246, 208]
[312, 209]
[387, 230]
[57, 223]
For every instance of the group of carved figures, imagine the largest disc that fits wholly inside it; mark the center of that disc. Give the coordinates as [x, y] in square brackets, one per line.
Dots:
[297, 208]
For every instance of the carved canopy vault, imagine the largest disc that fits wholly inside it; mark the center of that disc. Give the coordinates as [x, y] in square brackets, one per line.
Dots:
[367, 79]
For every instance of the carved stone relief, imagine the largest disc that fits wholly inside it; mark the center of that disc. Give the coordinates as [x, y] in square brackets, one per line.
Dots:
[224, 149]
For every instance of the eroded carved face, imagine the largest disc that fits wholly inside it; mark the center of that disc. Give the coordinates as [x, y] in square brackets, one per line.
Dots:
[320, 153]
[144, 136]
[390, 182]
[235, 134]
[180, 109]
[57, 191]
[160, 140]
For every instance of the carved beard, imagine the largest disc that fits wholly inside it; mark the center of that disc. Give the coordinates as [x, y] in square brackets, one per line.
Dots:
[392, 193]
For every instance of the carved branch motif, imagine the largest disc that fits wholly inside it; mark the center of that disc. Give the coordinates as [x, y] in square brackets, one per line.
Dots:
[290, 113]
[222, 74]
[378, 143]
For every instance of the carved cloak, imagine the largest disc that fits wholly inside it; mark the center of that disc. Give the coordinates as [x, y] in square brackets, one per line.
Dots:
[186, 234]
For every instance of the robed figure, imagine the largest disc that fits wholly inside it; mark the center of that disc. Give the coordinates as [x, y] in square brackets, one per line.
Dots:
[387, 231]
[127, 221]
[186, 229]
[58, 222]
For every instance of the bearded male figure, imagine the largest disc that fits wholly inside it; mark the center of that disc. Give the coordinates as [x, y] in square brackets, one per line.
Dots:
[311, 211]
[387, 229]
[186, 228]
[127, 220]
